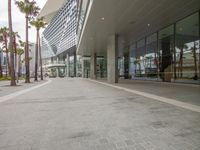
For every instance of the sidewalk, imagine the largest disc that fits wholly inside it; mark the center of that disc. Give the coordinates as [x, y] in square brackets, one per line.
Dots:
[6, 89]
[77, 114]
[188, 93]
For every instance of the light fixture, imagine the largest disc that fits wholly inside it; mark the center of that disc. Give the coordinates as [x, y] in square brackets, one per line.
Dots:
[148, 24]
[102, 18]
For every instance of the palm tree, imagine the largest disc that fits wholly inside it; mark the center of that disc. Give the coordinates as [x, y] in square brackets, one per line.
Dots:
[193, 49]
[38, 24]
[15, 44]
[30, 10]
[19, 51]
[40, 53]
[15, 36]
[1, 70]
[4, 37]
[1, 53]
[12, 70]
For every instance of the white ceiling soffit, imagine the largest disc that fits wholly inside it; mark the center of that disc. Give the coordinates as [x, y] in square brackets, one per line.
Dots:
[50, 9]
[129, 19]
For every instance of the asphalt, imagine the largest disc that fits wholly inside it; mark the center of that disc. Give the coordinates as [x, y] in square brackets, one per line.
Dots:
[78, 114]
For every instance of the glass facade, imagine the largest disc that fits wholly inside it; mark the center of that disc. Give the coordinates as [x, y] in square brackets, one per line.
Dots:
[151, 57]
[60, 34]
[140, 58]
[86, 71]
[132, 61]
[101, 67]
[187, 48]
[165, 48]
[171, 54]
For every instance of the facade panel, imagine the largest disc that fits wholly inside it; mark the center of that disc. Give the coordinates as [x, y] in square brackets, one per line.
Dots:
[60, 34]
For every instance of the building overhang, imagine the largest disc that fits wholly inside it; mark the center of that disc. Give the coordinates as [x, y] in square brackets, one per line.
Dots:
[129, 19]
[50, 9]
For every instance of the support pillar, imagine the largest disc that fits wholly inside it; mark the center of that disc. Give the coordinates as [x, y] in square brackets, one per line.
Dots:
[93, 66]
[82, 68]
[57, 69]
[112, 59]
[75, 64]
[57, 60]
[68, 65]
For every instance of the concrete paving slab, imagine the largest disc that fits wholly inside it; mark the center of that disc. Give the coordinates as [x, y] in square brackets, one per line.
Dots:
[77, 114]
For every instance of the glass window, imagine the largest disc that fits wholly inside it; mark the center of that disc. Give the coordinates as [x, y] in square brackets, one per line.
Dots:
[132, 68]
[187, 48]
[151, 57]
[126, 62]
[166, 42]
[140, 58]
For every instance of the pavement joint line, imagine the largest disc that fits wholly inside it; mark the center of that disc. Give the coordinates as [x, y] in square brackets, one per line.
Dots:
[18, 93]
[174, 102]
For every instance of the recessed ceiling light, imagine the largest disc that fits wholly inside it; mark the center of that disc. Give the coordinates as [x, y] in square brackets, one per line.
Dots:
[102, 18]
[148, 24]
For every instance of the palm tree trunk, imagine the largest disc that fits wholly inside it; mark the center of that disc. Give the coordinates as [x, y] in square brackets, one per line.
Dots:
[1, 74]
[195, 63]
[40, 53]
[15, 51]
[12, 71]
[181, 63]
[7, 62]
[27, 80]
[36, 56]
[19, 66]
[7, 56]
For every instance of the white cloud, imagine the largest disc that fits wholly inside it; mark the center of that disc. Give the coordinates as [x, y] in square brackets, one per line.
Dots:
[18, 19]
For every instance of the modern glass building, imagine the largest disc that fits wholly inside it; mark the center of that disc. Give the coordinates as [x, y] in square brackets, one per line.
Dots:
[130, 39]
[59, 38]
[145, 40]
[169, 54]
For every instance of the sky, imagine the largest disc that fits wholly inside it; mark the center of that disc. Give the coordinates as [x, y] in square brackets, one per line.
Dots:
[18, 19]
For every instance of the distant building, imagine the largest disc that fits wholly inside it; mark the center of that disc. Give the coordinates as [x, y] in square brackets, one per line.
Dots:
[142, 40]
[59, 38]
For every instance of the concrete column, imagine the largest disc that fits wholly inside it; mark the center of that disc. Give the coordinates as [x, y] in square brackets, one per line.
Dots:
[75, 64]
[93, 66]
[112, 59]
[68, 65]
[82, 68]
[57, 70]
[57, 60]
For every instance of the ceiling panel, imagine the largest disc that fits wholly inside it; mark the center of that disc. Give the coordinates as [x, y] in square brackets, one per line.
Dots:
[129, 19]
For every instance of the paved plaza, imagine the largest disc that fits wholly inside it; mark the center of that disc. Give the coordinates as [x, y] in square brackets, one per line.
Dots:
[78, 114]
